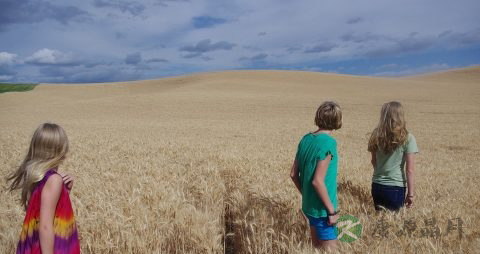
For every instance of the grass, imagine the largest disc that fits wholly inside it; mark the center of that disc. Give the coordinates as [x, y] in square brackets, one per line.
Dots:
[16, 87]
[200, 164]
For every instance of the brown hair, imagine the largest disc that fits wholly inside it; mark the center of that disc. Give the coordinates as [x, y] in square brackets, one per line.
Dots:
[329, 116]
[391, 130]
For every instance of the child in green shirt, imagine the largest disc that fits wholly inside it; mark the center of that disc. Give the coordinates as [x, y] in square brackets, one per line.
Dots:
[314, 173]
[392, 147]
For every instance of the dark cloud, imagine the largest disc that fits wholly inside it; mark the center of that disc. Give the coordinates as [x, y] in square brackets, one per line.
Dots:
[465, 38]
[120, 35]
[292, 49]
[197, 55]
[157, 60]
[132, 7]
[32, 11]
[445, 34]
[262, 34]
[207, 46]
[325, 47]
[408, 45]
[259, 57]
[206, 21]
[354, 20]
[133, 59]
[472, 37]
[359, 38]
[192, 55]
[164, 3]
[252, 48]
[93, 64]
[382, 45]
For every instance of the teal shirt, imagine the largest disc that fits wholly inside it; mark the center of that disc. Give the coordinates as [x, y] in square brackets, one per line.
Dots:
[389, 168]
[312, 148]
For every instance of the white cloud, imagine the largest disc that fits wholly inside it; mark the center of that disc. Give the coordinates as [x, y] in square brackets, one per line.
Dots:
[51, 57]
[7, 58]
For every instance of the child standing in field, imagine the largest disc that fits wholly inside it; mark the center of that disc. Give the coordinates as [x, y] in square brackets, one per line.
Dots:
[392, 146]
[49, 225]
[314, 173]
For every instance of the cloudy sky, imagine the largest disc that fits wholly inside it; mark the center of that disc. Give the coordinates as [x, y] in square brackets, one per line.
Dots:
[115, 40]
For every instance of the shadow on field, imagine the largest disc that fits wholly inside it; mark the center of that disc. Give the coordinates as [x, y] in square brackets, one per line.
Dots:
[257, 223]
[359, 193]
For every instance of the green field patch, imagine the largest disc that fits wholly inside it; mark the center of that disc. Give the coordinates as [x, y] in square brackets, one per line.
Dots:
[16, 87]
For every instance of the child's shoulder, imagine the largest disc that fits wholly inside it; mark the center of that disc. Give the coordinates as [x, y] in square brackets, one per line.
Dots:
[320, 138]
[54, 180]
[410, 138]
[53, 186]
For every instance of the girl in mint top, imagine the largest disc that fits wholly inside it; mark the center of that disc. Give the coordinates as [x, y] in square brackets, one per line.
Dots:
[392, 148]
[314, 173]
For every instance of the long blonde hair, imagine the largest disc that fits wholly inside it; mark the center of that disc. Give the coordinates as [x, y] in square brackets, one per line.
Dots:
[391, 130]
[48, 148]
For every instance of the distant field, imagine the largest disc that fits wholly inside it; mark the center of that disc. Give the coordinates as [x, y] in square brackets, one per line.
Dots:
[11, 87]
[201, 163]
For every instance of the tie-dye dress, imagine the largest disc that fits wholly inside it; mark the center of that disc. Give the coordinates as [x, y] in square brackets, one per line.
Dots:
[64, 226]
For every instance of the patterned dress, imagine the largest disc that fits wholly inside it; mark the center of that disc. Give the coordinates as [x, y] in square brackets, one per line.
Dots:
[64, 226]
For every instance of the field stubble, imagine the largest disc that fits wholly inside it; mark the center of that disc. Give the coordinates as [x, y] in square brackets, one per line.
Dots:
[201, 163]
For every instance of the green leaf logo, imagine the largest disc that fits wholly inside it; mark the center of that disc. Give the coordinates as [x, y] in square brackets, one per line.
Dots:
[348, 228]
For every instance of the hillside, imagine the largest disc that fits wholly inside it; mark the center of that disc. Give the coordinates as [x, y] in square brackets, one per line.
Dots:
[200, 163]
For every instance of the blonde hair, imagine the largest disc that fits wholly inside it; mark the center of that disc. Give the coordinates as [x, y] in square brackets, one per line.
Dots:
[329, 116]
[48, 148]
[391, 130]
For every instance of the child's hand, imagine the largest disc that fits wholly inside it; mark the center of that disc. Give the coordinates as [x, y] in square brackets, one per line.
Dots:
[409, 201]
[332, 219]
[67, 180]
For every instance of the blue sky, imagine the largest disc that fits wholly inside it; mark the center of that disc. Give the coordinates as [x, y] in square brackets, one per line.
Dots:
[117, 40]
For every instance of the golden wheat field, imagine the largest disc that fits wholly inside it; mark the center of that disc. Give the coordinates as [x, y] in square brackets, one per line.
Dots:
[200, 163]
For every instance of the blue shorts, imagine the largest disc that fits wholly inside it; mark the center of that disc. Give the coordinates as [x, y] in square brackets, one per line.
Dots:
[322, 229]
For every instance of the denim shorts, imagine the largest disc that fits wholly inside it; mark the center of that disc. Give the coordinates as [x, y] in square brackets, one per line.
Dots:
[322, 229]
[390, 197]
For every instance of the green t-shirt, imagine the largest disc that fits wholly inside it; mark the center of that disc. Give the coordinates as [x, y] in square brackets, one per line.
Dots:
[312, 148]
[389, 168]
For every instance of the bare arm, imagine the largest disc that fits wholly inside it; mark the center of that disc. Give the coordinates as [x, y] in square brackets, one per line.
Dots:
[295, 177]
[49, 199]
[410, 169]
[374, 159]
[318, 183]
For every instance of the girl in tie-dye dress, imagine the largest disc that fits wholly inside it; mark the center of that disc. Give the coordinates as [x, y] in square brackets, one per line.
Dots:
[49, 225]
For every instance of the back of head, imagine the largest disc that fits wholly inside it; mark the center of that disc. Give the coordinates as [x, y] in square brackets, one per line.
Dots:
[49, 142]
[48, 148]
[391, 130]
[329, 116]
